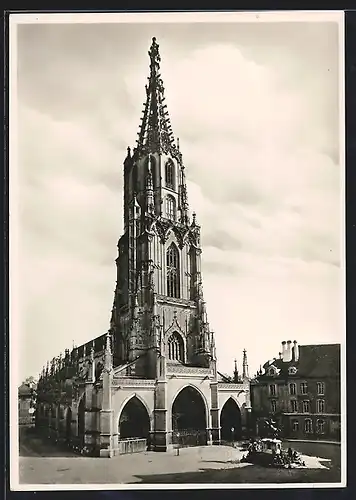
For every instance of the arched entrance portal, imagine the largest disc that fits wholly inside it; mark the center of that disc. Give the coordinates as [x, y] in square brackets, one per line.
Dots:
[81, 421]
[189, 418]
[134, 421]
[230, 421]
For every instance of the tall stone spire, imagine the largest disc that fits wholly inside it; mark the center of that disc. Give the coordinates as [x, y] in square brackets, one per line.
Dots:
[155, 134]
[245, 374]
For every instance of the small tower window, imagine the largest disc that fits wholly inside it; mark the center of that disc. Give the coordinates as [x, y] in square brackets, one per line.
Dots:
[151, 164]
[134, 179]
[173, 286]
[171, 208]
[175, 347]
[169, 171]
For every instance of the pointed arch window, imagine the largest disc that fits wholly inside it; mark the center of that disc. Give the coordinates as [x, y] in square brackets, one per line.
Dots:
[134, 179]
[175, 347]
[152, 167]
[171, 207]
[169, 174]
[173, 285]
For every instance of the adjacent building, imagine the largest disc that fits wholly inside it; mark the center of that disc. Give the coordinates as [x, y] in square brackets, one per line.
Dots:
[152, 379]
[26, 403]
[300, 391]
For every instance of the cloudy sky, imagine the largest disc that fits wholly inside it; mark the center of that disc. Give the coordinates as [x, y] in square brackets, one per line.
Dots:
[255, 106]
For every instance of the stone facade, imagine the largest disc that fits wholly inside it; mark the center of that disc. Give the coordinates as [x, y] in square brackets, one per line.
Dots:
[153, 376]
[300, 391]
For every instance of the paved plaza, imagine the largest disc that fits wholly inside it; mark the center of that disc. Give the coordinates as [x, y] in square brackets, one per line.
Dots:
[42, 463]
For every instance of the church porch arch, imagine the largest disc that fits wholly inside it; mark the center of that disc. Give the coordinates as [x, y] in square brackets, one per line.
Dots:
[230, 421]
[133, 423]
[189, 417]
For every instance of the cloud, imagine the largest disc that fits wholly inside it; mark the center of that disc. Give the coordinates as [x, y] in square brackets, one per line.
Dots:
[256, 132]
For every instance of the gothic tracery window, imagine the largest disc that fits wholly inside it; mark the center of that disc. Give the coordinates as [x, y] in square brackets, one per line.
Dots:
[171, 208]
[175, 347]
[169, 171]
[134, 179]
[173, 284]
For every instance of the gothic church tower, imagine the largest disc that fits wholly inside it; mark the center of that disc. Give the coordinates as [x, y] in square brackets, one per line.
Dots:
[159, 314]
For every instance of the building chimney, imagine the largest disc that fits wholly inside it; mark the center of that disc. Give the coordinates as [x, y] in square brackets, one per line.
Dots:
[295, 351]
[280, 355]
[288, 354]
[283, 350]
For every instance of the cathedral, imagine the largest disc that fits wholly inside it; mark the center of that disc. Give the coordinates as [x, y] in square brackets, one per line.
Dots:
[150, 382]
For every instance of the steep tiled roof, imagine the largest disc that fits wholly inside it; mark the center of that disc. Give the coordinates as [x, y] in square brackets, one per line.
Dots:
[24, 390]
[321, 360]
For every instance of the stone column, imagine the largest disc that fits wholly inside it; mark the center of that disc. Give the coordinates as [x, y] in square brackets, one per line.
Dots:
[89, 435]
[246, 412]
[107, 412]
[214, 412]
[106, 418]
[160, 436]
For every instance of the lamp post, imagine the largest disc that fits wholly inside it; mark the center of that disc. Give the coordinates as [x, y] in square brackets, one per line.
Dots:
[177, 443]
[232, 433]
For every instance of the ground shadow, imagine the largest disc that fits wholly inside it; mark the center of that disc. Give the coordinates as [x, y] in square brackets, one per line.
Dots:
[248, 474]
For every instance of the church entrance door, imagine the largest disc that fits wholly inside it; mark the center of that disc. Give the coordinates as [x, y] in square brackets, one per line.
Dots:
[189, 418]
[230, 421]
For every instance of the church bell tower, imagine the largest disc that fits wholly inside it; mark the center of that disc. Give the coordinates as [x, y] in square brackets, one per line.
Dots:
[159, 312]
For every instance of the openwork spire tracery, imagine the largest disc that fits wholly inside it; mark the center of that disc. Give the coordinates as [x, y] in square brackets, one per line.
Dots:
[155, 134]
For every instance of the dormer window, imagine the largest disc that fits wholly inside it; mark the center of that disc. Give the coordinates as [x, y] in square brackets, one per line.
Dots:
[272, 371]
[292, 370]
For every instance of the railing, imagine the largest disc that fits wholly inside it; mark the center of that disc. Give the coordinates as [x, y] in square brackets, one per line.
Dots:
[189, 437]
[132, 445]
